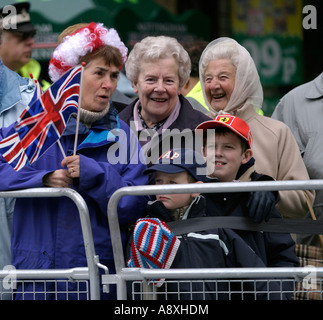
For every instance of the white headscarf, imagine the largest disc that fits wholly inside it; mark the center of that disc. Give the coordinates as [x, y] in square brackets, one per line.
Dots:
[247, 89]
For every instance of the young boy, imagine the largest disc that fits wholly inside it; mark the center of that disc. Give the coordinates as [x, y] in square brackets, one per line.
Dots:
[227, 148]
[214, 247]
[178, 166]
[227, 143]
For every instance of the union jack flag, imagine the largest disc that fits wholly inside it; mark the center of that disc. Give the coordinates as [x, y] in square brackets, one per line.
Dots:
[42, 123]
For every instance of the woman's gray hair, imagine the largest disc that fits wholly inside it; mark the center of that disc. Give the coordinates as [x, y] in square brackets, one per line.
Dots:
[154, 48]
[247, 87]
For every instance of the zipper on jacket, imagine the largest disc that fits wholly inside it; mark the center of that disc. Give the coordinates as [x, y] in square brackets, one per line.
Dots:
[185, 242]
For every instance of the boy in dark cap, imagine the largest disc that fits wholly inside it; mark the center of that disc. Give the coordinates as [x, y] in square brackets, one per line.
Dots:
[178, 166]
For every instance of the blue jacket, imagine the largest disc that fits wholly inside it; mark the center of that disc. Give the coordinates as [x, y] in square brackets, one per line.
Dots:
[47, 231]
[15, 94]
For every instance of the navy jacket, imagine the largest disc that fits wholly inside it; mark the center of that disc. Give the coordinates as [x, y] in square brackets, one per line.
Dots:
[46, 231]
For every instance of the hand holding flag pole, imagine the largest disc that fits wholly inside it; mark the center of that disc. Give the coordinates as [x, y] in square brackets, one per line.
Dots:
[78, 109]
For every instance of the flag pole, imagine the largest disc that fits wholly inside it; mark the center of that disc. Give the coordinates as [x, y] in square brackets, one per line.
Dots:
[78, 112]
[61, 148]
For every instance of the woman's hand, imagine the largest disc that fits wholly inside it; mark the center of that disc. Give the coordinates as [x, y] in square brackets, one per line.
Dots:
[73, 165]
[63, 178]
[58, 179]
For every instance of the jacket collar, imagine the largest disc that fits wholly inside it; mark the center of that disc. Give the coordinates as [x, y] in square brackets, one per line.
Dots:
[100, 133]
[316, 90]
[247, 167]
[196, 208]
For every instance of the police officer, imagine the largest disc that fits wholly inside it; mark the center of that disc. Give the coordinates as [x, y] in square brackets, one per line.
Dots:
[17, 40]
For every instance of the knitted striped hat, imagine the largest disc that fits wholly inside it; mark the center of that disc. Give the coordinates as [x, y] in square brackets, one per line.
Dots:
[153, 246]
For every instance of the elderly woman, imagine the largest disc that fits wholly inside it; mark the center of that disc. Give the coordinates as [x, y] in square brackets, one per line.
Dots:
[158, 68]
[231, 84]
[47, 232]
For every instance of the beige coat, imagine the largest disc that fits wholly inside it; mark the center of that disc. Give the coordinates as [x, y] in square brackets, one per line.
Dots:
[277, 155]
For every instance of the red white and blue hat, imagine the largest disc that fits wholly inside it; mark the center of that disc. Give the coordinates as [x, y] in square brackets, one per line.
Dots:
[153, 246]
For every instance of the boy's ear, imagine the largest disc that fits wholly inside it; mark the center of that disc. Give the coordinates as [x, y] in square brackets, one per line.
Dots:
[196, 194]
[247, 156]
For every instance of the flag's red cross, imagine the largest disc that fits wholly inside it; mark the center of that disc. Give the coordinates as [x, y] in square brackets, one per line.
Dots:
[53, 109]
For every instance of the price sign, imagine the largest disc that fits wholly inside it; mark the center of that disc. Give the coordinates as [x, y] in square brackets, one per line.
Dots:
[273, 34]
[278, 62]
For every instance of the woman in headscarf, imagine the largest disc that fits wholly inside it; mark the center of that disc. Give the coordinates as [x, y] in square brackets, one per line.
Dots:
[231, 84]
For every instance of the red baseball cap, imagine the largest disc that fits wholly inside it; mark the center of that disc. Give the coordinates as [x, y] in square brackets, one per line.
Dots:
[236, 124]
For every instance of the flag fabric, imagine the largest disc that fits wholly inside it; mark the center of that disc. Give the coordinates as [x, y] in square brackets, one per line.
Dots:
[42, 123]
[18, 158]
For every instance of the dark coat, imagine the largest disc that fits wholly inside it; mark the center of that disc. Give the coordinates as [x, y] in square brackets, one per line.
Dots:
[188, 118]
[183, 126]
[226, 248]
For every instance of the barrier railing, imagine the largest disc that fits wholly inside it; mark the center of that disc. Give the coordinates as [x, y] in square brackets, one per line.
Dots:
[90, 272]
[123, 274]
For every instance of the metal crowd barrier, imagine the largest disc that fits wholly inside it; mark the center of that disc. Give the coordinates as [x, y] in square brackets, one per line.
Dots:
[83, 274]
[140, 276]
[124, 274]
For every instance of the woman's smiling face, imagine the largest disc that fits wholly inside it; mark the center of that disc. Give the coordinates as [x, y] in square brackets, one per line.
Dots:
[158, 89]
[219, 81]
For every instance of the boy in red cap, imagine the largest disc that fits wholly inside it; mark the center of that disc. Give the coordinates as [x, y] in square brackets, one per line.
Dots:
[227, 143]
[227, 148]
